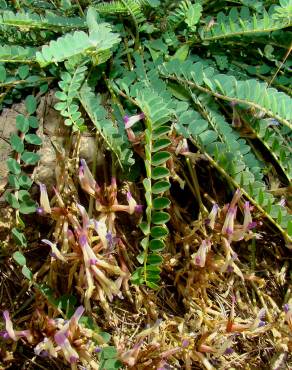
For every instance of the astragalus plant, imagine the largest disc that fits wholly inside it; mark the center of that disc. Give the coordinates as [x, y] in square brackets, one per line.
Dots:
[167, 246]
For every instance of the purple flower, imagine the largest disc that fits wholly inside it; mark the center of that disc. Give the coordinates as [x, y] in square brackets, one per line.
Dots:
[86, 179]
[200, 256]
[9, 326]
[4, 334]
[68, 351]
[111, 241]
[40, 211]
[132, 203]
[84, 215]
[130, 121]
[230, 268]
[54, 250]
[247, 217]
[228, 226]
[286, 307]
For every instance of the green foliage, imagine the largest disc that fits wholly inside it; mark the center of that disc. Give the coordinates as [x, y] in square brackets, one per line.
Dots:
[277, 140]
[93, 45]
[187, 12]
[250, 92]
[50, 22]
[128, 8]
[157, 115]
[217, 75]
[244, 23]
[114, 139]
[68, 105]
[20, 183]
[15, 53]
[108, 359]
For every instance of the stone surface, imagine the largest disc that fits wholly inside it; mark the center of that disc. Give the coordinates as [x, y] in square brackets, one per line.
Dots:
[7, 127]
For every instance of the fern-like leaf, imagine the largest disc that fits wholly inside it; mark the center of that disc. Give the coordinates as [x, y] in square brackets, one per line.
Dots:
[97, 45]
[232, 157]
[185, 12]
[242, 24]
[68, 105]
[250, 92]
[277, 140]
[127, 8]
[157, 116]
[33, 21]
[16, 53]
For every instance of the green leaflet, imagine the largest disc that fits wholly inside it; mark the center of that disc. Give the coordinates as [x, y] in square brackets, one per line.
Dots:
[95, 45]
[115, 141]
[31, 21]
[186, 12]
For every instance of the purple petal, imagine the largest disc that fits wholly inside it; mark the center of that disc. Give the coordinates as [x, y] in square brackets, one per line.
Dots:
[185, 343]
[82, 240]
[4, 334]
[73, 359]
[40, 211]
[286, 307]
[228, 351]
[60, 339]
[139, 208]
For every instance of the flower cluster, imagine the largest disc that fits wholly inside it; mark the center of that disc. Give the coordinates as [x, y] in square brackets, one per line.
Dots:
[224, 223]
[233, 231]
[105, 199]
[90, 241]
[61, 338]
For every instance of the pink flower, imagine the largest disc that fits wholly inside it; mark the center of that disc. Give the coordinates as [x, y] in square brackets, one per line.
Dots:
[200, 255]
[9, 326]
[68, 351]
[14, 334]
[55, 251]
[132, 203]
[86, 179]
[130, 121]
[46, 346]
[247, 217]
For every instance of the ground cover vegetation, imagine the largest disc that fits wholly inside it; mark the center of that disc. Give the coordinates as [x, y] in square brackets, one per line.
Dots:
[145, 202]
